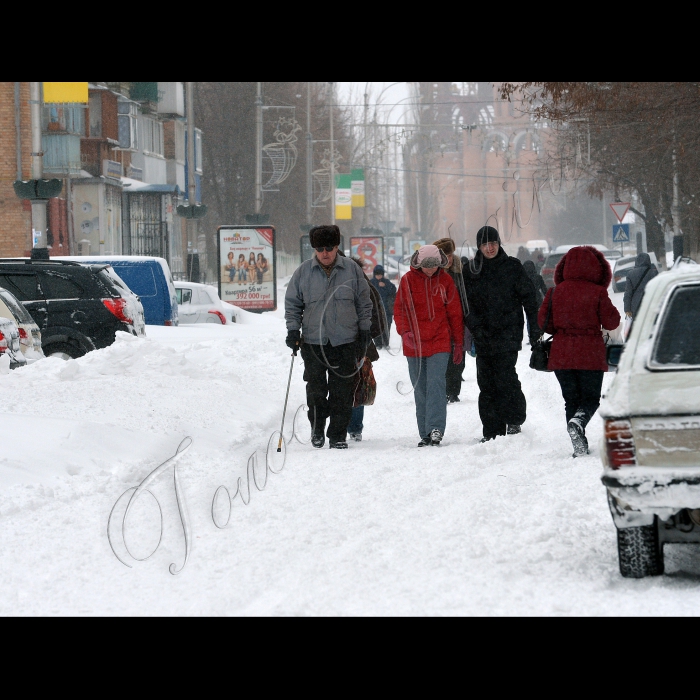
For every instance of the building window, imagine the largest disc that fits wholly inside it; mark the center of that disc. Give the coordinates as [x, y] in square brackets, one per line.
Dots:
[153, 137]
[64, 118]
[128, 125]
[95, 105]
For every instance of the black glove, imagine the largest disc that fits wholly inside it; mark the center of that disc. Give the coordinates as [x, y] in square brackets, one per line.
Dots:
[364, 339]
[535, 338]
[293, 341]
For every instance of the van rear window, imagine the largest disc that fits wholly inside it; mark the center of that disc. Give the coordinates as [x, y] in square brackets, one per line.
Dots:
[139, 279]
[678, 341]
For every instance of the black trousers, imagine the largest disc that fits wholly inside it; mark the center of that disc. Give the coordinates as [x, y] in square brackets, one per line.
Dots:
[581, 391]
[329, 389]
[453, 376]
[501, 398]
[383, 340]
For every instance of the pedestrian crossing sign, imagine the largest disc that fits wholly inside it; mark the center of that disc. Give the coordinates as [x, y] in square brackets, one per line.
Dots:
[621, 233]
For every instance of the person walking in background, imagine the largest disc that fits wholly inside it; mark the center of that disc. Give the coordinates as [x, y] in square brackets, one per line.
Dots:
[328, 302]
[387, 293]
[539, 283]
[580, 305]
[638, 277]
[356, 424]
[498, 289]
[453, 376]
[428, 316]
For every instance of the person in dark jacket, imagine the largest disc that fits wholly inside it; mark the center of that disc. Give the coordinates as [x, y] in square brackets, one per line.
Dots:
[498, 289]
[377, 329]
[643, 271]
[453, 378]
[387, 292]
[540, 285]
[429, 321]
[580, 306]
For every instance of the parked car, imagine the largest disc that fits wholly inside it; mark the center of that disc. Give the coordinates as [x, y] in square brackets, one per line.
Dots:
[148, 277]
[200, 303]
[9, 343]
[651, 444]
[29, 333]
[623, 265]
[566, 248]
[611, 254]
[78, 308]
[550, 264]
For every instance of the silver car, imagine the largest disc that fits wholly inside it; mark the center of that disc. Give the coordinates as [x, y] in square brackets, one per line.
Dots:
[29, 333]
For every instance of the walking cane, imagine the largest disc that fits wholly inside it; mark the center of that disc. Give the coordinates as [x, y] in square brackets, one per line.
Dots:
[286, 398]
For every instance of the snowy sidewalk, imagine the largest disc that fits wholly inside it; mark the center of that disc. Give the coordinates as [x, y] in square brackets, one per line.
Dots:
[511, 527]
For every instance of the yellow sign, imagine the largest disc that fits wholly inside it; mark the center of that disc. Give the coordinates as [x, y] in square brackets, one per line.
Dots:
[65, 92]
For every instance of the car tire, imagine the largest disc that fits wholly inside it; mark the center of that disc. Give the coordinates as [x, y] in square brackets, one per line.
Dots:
[640, 552]
[64, 351]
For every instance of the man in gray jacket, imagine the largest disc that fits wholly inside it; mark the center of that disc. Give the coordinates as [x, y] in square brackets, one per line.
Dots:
[328, 302]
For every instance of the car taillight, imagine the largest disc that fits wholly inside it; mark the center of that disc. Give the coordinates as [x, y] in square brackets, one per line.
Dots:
[222, 318]
[167, 323]
[23, 334]
[619, 443]
[117, 306]
[3, 343]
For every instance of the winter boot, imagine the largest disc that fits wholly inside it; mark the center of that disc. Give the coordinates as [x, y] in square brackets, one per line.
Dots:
[338, 445]
[357, 437]
[453, 398]
[424, 442]
[435, 437]
[486, 438]
[318, 440]
[512, 429]
[576, 428]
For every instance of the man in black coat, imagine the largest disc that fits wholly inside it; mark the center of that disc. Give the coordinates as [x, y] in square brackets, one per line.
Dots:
[498, 289]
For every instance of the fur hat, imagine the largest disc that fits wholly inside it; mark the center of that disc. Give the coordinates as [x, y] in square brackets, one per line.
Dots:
[320, 236]
[428, 256]
[446, 245]
[487, 234]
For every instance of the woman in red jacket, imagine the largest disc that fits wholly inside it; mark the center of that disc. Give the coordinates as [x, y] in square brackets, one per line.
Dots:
[428, 316]
[580, 305]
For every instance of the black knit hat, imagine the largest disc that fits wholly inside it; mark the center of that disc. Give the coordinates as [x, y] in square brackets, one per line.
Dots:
[487, 234]
[324, 236]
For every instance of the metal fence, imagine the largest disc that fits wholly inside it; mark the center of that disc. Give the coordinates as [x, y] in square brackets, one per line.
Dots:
[286, 264]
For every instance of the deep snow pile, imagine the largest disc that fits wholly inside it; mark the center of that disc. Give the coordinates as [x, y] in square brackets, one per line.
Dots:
[511, 527]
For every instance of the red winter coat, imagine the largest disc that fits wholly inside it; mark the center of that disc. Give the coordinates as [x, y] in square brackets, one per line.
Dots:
[580, 306]
[433, 304]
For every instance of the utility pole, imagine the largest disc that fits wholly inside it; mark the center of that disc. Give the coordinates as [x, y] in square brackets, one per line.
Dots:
[309, 156]
[191, 184]
[38, 205]
[258, 149]
[366, 158]
[330, 89]
[675, 210]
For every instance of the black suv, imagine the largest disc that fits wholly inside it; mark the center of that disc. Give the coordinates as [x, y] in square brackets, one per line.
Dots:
[77, 307]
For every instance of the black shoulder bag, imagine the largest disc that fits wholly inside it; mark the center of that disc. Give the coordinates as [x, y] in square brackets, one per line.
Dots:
[539, 354]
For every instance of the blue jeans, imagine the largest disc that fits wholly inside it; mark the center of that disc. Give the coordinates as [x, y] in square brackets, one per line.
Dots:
[428, 379]
[242, 275]
[355, 425]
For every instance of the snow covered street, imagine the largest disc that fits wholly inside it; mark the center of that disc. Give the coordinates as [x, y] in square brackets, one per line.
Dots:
[510, 527]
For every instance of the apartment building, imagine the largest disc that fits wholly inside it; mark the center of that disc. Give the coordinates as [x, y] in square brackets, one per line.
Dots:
[123, 160]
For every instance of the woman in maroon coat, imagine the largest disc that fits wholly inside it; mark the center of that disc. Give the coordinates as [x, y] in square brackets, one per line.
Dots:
[580, 306]
[428, 316]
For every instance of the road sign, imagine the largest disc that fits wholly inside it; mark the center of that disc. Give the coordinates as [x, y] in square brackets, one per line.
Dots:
[621, 232]
[620, 209]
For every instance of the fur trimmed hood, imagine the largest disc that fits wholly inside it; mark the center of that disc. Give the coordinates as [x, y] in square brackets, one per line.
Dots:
[584, 263]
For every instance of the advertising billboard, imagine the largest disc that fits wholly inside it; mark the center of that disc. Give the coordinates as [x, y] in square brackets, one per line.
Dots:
[370, 249]
[394, 246]
[413, 246]
[247, 274]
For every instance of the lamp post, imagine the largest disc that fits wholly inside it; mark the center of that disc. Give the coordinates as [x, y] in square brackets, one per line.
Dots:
[38, 205]
[330, 95]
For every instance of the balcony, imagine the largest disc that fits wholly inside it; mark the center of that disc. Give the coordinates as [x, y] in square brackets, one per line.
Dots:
[61, 154]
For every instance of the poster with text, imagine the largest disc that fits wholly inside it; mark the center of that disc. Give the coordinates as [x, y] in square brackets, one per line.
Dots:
[247, 275]
[370, 250]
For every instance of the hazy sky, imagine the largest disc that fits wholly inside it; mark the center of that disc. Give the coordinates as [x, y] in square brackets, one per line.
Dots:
[388, 94]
